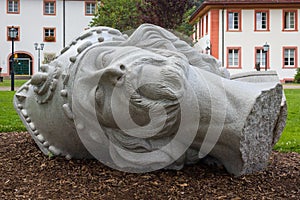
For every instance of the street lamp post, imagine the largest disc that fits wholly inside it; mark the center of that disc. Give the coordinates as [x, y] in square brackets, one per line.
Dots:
[266, 49]
[13, 35]
[39, 48]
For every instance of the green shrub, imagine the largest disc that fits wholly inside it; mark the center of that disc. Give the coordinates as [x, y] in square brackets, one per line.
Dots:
[297, 76]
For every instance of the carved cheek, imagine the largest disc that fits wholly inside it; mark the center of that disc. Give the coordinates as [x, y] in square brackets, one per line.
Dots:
[111, 77]
[99, 98]
[103, 107]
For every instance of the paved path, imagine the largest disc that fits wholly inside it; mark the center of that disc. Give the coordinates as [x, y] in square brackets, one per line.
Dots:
[7, 88]
[291, 86]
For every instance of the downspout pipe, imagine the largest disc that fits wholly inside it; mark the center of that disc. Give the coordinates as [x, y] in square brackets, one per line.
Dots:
[223, 39]
[64, 23]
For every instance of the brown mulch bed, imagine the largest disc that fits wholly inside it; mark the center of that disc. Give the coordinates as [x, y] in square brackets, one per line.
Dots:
[25, 173]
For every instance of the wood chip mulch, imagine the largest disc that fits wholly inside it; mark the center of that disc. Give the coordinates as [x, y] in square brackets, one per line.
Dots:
[25, 173]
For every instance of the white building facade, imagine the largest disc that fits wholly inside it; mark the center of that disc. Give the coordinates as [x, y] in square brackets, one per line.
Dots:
[235, 31]
[51, 22]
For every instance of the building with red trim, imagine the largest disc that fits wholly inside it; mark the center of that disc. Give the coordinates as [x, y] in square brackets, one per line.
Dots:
[55, 23]
[234, 31]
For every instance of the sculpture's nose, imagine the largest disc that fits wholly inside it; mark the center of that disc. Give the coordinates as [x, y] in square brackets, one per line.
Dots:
[114, 75]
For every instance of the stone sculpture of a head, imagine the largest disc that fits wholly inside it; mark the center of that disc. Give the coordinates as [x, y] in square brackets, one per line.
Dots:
[150, 101]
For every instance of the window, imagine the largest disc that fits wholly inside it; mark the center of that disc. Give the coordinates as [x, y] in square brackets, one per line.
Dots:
[195, 34]
[202, 27]
[49, 7]
[13, 6]
[17, 31]
[90, 8]
[290, 57]
[206, 24]
[260, 58]
[290, 22]
[233, 57]
[261, 20]
[49, 35]
[234, 20]
[199, 28]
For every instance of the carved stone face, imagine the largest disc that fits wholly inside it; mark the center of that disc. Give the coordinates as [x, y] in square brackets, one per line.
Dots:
[148, 102]
[136, 83]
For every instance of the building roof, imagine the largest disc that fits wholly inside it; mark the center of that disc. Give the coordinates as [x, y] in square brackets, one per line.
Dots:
[247, 4]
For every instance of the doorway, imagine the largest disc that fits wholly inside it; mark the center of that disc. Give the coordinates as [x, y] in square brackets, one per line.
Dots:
[22, 64]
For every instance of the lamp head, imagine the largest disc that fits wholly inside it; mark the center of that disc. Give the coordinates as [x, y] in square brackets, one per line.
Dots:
[266, 47]
[12, 32]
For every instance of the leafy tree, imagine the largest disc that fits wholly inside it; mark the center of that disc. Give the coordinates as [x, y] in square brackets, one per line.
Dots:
[120, 14]
[127, 15]
[169, 14]
[186, 27]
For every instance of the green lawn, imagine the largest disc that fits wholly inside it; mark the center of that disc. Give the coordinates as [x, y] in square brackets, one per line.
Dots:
[9, 119]
[7, 83]
[289, 141]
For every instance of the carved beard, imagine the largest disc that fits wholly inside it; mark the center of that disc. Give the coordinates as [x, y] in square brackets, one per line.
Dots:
[165, 94]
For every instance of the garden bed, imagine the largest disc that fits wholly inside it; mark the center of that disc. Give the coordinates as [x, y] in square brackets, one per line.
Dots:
[25, 173]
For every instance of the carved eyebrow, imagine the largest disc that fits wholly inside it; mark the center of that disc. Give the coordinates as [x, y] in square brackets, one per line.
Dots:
[105, 58]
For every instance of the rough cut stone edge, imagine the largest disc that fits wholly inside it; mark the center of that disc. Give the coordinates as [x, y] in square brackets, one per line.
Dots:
[257, 137]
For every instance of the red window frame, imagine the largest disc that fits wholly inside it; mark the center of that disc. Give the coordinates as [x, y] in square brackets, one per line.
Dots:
[49, 38]
[268, 20]
[239, 57]
[268, 58]
[44, 6]
[283, 21]
[239, 22]
[295, 57]
[7, 11]
[85, 7]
